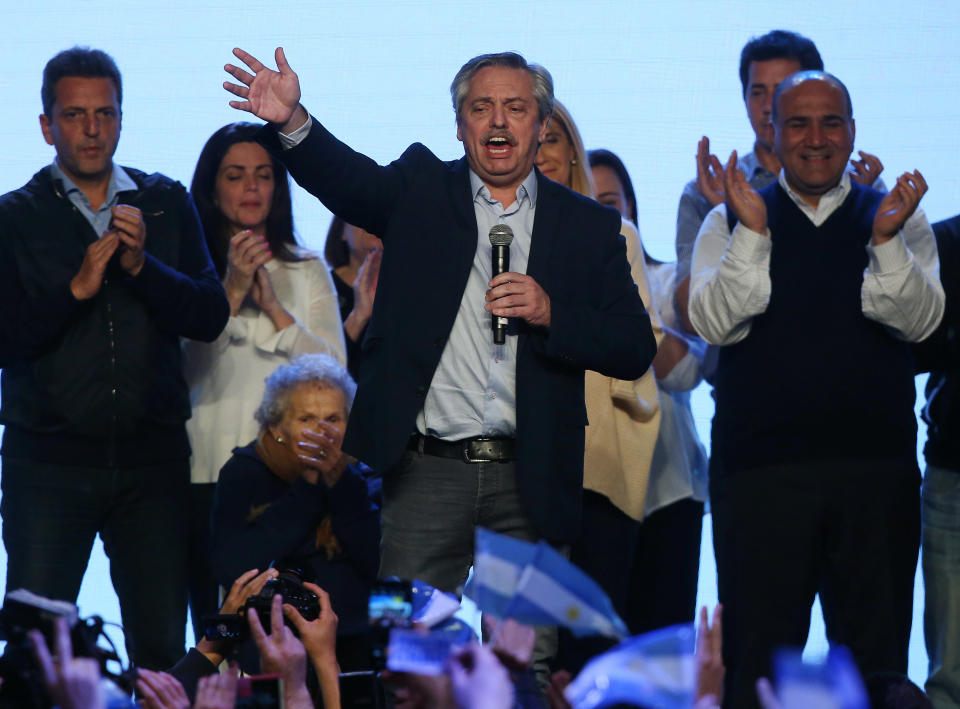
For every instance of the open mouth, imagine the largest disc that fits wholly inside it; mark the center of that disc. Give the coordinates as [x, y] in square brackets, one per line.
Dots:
[499, 145]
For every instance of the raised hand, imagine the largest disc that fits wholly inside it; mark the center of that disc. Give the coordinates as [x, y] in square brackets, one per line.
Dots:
[72, 683]
[89, 278]
[479, 680]
[746, 204]
[246, 253]
[281, 653]
[217, 691]
[709, 656]
[559, 681]
[512, 642]
[247, 584]
[128, 224]
[161, 691]
[867, 169]
[272, 96]
[898, 205]
[320, 640]
[766, 696]
[319, 636]
[710, 174]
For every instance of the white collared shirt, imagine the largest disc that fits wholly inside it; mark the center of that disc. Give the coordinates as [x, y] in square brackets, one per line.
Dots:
[730, 275]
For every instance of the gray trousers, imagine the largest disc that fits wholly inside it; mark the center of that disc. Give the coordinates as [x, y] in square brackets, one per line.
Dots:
[431, 507]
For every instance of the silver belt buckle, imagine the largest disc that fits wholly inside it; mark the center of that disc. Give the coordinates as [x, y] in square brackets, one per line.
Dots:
[466, 452]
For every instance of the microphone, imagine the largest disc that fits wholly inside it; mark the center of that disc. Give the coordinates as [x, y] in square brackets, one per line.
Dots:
[500, 237]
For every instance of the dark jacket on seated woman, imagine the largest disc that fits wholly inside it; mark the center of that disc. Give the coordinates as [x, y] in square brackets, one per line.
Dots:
[332, 532]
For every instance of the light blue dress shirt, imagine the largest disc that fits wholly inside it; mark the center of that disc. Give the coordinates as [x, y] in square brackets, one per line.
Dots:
[99, 219]
[473, 392]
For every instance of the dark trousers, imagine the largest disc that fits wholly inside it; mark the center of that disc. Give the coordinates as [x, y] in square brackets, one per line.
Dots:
[649, 569]
[51, 515]
[848, 530]
[203, 589]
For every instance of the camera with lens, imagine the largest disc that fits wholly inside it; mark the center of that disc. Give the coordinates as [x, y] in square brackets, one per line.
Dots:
[288, 584]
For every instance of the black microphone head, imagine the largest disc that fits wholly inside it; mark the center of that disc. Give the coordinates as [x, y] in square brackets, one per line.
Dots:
[500, 235]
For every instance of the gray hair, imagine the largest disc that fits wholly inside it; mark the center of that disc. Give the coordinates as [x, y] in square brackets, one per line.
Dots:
[802, 76]
[320, 369]
[542, 81]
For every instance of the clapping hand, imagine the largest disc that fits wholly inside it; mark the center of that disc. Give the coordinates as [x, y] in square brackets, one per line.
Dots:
[246, 253]
[128, 224]
[746, 204]
[898, 205]
[710, 174]
[867, 169]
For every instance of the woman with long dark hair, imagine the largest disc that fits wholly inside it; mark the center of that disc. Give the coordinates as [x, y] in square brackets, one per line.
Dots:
[282, 304]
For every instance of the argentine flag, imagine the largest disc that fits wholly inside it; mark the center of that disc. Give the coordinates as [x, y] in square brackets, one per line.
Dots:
[536, 585]
[654, 670]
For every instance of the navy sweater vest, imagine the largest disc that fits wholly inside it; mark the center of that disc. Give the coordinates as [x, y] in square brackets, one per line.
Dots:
[814, 379]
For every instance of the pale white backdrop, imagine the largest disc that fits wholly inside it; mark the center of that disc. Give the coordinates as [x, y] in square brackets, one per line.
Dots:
[645, 79]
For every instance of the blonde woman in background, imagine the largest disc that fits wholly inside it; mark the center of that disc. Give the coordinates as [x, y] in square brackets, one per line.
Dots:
[624, 419]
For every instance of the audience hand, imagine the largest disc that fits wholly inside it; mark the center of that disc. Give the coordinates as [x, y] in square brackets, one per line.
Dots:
[897, 206]
[72, 683]
[161, 691]
[766, 696]
[412, 691]
[512, 642]
[479, 680]
[248, 584]
[867, 169]
[217, 691]
[709, 656]
[558, 682]
[282, 654]
[746, 204]
[319, 638]
[321, 457]
[710, 175]
[273, 96]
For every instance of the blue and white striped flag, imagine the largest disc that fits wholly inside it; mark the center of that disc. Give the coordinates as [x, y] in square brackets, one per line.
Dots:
[654, 670]
[833, 683]
[534, 584]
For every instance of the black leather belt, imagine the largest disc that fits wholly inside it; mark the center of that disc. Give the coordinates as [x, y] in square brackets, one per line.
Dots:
[469, 450]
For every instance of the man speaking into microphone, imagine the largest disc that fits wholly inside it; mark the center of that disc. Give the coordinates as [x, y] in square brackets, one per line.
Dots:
[467, 432]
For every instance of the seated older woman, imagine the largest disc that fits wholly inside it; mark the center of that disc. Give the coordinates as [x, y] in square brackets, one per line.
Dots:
[293, 495]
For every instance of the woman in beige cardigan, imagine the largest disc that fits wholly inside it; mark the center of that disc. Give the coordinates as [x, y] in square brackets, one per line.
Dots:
[624, 419]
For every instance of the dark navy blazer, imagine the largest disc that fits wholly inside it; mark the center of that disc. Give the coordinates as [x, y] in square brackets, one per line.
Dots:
[422, 209]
